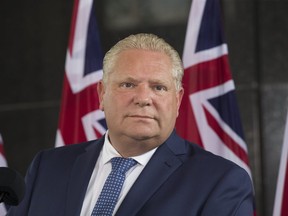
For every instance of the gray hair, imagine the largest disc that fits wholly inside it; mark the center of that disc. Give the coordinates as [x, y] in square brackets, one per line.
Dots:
[145, 42]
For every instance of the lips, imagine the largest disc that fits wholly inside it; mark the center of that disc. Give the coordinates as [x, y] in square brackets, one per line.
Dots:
[141, 116]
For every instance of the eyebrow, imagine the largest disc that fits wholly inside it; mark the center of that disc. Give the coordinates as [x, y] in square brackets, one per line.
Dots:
[160, 81]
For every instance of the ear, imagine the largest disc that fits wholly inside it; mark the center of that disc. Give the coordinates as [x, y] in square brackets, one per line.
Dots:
[179, 96]
[101, 92]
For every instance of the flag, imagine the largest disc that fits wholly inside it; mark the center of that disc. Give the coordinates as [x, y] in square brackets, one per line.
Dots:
[3, 163]
[80, 118]
[209, 114]
[281, 197]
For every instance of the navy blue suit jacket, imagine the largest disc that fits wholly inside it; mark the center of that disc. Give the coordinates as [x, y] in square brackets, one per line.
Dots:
[181, 179]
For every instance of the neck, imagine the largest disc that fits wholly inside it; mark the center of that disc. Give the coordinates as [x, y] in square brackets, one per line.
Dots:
[134, 147]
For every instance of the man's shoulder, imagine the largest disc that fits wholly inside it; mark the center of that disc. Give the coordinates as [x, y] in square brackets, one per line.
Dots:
[189, 151]
[71, 150]
[197, 154]
[62, 158]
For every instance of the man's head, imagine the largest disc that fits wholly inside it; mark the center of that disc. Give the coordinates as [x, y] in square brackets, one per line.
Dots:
[140, 93]
[146, 42]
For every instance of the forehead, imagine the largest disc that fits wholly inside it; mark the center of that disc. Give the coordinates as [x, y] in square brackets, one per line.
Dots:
[144, 53]
[143, 60]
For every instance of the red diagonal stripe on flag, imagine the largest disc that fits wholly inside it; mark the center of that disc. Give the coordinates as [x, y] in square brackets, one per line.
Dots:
[226, 139]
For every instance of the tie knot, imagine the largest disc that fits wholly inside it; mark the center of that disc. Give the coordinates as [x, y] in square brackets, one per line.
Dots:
[122, 165]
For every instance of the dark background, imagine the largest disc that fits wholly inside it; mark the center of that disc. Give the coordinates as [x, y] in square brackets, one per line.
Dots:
[33, 43]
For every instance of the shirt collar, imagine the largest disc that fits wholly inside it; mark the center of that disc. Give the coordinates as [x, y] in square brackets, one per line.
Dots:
[109, 152]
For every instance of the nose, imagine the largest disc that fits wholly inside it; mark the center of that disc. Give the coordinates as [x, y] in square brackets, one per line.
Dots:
[143, 96]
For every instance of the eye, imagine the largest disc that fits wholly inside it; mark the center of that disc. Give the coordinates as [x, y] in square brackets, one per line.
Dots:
[127, 85]
[160, 88]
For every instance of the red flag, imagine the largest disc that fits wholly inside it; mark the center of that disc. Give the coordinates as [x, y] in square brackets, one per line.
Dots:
[3, 163]
[209, 113]
[281, 198]
[80, 118]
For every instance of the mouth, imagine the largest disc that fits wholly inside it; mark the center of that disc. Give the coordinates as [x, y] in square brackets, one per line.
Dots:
[141, 116]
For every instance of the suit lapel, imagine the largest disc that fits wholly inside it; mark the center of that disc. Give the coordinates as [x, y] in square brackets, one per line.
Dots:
[162, 164]
[80, 176]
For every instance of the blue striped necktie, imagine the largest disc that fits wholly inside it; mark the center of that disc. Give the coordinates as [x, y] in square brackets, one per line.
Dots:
[109, 195]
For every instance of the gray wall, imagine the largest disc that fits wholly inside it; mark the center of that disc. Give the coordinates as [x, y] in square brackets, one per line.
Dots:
[34, 36]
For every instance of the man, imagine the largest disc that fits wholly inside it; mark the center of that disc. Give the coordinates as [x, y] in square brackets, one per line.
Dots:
[140, 94]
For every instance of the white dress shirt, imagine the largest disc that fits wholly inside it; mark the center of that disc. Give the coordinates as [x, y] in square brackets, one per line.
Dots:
[102, 170]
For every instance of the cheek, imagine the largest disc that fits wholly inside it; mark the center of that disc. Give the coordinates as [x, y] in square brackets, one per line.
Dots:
[173, 108]
[108, 98]
[114, 103]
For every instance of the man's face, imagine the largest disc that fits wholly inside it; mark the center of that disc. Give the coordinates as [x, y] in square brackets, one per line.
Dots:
[140, 100]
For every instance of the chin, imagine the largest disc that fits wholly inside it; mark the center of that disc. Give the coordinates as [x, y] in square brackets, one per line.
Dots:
[142, 135]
